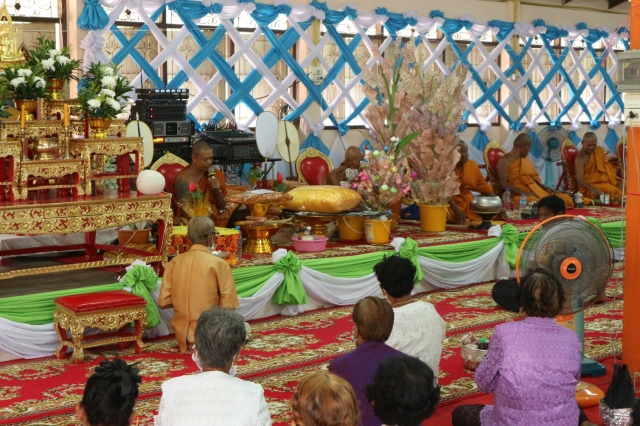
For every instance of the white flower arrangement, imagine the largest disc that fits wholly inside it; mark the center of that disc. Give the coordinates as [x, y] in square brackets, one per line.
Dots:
[103, 92]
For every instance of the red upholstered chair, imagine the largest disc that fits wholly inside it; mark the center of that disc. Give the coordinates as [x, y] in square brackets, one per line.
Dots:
[568, 152]
[107, 311]
[493, 152]
[313, 166]
[170, 166]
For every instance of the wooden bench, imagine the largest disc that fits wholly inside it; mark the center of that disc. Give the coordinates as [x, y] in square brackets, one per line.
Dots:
[109, 311]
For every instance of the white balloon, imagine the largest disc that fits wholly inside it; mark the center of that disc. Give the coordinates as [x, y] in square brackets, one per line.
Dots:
[150, 182]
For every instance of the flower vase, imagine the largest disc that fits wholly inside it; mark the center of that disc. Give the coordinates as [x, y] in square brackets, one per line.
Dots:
[30, 108]
[56, 85]
[99, 127]
[433, 218]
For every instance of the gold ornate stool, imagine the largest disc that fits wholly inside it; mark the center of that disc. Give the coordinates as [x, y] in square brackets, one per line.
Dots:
[107, 311]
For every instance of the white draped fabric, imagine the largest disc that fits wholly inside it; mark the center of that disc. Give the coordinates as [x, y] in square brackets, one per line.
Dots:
[33, 341]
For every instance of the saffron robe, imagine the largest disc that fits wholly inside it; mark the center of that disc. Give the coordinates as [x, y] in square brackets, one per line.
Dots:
[470, 179]
[523, 175]
[601, 175]
[193, 282]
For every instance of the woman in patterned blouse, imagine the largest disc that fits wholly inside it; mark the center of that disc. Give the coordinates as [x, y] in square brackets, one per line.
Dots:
[532, 366]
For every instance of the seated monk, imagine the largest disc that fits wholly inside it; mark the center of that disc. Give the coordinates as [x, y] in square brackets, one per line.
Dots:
[594, 174]
[210, 181]
[352, 158]
[518, 173]
[470, 178]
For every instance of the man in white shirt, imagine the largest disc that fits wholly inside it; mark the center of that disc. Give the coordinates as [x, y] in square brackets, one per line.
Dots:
[214, 396]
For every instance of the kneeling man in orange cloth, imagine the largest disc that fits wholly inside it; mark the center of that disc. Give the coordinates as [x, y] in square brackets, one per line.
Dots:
[594, 174]
[518, 173]
[470, 178]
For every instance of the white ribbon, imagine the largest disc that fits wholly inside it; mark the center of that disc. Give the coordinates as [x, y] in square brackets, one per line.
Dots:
[316, 128]
[576, 126]
[613, 123]
[532, 126]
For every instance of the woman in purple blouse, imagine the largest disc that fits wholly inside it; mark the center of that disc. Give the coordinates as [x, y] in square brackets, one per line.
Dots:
[532, 366]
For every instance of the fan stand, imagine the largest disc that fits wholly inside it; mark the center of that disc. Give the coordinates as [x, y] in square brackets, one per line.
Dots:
[590, 367]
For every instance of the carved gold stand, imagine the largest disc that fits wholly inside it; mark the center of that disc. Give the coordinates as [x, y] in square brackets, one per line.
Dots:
[258, 237]
[107, 320]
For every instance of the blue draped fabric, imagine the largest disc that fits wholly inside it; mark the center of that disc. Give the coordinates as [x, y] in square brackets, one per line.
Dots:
[93, 16]
[480, 140]
[611, 140]
[537, 149]
[573, 137]
[313, 141]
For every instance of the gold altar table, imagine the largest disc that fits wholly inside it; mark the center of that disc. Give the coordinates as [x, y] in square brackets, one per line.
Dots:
[60, 216]
[95, 149]
[10, 152]
[58, 169]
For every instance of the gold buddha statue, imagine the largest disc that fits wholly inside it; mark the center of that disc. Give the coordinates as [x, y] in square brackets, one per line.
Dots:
[9, 50]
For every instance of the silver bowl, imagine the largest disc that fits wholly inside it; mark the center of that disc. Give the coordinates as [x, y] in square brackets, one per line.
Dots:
[472, 356]
[486, 204]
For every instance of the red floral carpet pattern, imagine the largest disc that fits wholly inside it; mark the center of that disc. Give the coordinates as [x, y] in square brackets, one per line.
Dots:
[283, 350]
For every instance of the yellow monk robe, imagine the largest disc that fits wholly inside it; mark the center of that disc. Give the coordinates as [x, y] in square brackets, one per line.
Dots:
[523, 175]
[601, 175]
[470, 179]
[220, 219]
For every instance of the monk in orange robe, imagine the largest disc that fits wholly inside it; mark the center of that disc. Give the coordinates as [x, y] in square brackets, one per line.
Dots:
[470, 178]
[594, 174]
[209, 181]
[518, 173]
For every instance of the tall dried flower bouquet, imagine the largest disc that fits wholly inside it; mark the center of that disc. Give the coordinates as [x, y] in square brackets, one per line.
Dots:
[414, 119]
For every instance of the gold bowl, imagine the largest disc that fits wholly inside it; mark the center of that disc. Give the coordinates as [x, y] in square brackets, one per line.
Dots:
[258, 237]
[45, 148]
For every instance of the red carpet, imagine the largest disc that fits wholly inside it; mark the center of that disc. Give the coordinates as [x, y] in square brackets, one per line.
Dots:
[284, 349]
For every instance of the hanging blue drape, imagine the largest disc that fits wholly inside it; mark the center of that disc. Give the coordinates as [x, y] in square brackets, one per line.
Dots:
[611, 140]
[480, 140]
[93, 16]
[573, 136]
[537, 148]
[314, 141]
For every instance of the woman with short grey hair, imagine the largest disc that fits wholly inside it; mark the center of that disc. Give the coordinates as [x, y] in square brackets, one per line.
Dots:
[215, 393]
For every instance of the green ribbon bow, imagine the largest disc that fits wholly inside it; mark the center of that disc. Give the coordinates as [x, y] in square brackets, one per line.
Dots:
[409, 250]
[143, 280]
[511, 244]
[291, 291]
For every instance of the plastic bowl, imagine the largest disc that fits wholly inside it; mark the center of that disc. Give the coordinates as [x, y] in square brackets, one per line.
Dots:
[310, 246]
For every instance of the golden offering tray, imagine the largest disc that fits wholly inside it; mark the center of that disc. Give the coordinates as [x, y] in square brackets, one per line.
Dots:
[57, 169]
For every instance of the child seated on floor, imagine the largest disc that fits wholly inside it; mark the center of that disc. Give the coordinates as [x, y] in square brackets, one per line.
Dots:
[110, 395]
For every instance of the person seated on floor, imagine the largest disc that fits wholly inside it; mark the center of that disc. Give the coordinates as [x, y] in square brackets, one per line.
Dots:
[402, 392]
[196, 280]
[109, 397]
[352, 158]
[594, 174]
[517, 172]
[324, 399]
[373, 322]
[505, 292]
[418, 330]
[532, 366]
[209, 181]
[470, 178]
[215, 395]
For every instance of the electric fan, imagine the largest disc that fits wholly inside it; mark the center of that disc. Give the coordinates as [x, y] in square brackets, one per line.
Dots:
[551, 139]
[580, 256]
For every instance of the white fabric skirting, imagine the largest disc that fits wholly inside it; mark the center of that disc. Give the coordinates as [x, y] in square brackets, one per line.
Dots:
[34, 341]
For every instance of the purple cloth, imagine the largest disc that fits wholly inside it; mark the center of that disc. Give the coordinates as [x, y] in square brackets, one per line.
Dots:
[532, 368]
[358, 367]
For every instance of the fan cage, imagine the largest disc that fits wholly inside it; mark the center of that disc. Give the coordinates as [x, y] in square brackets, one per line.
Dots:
[555, 243]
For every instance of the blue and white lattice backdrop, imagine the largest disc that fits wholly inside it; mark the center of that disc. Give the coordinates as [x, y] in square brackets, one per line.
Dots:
[557, 75]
